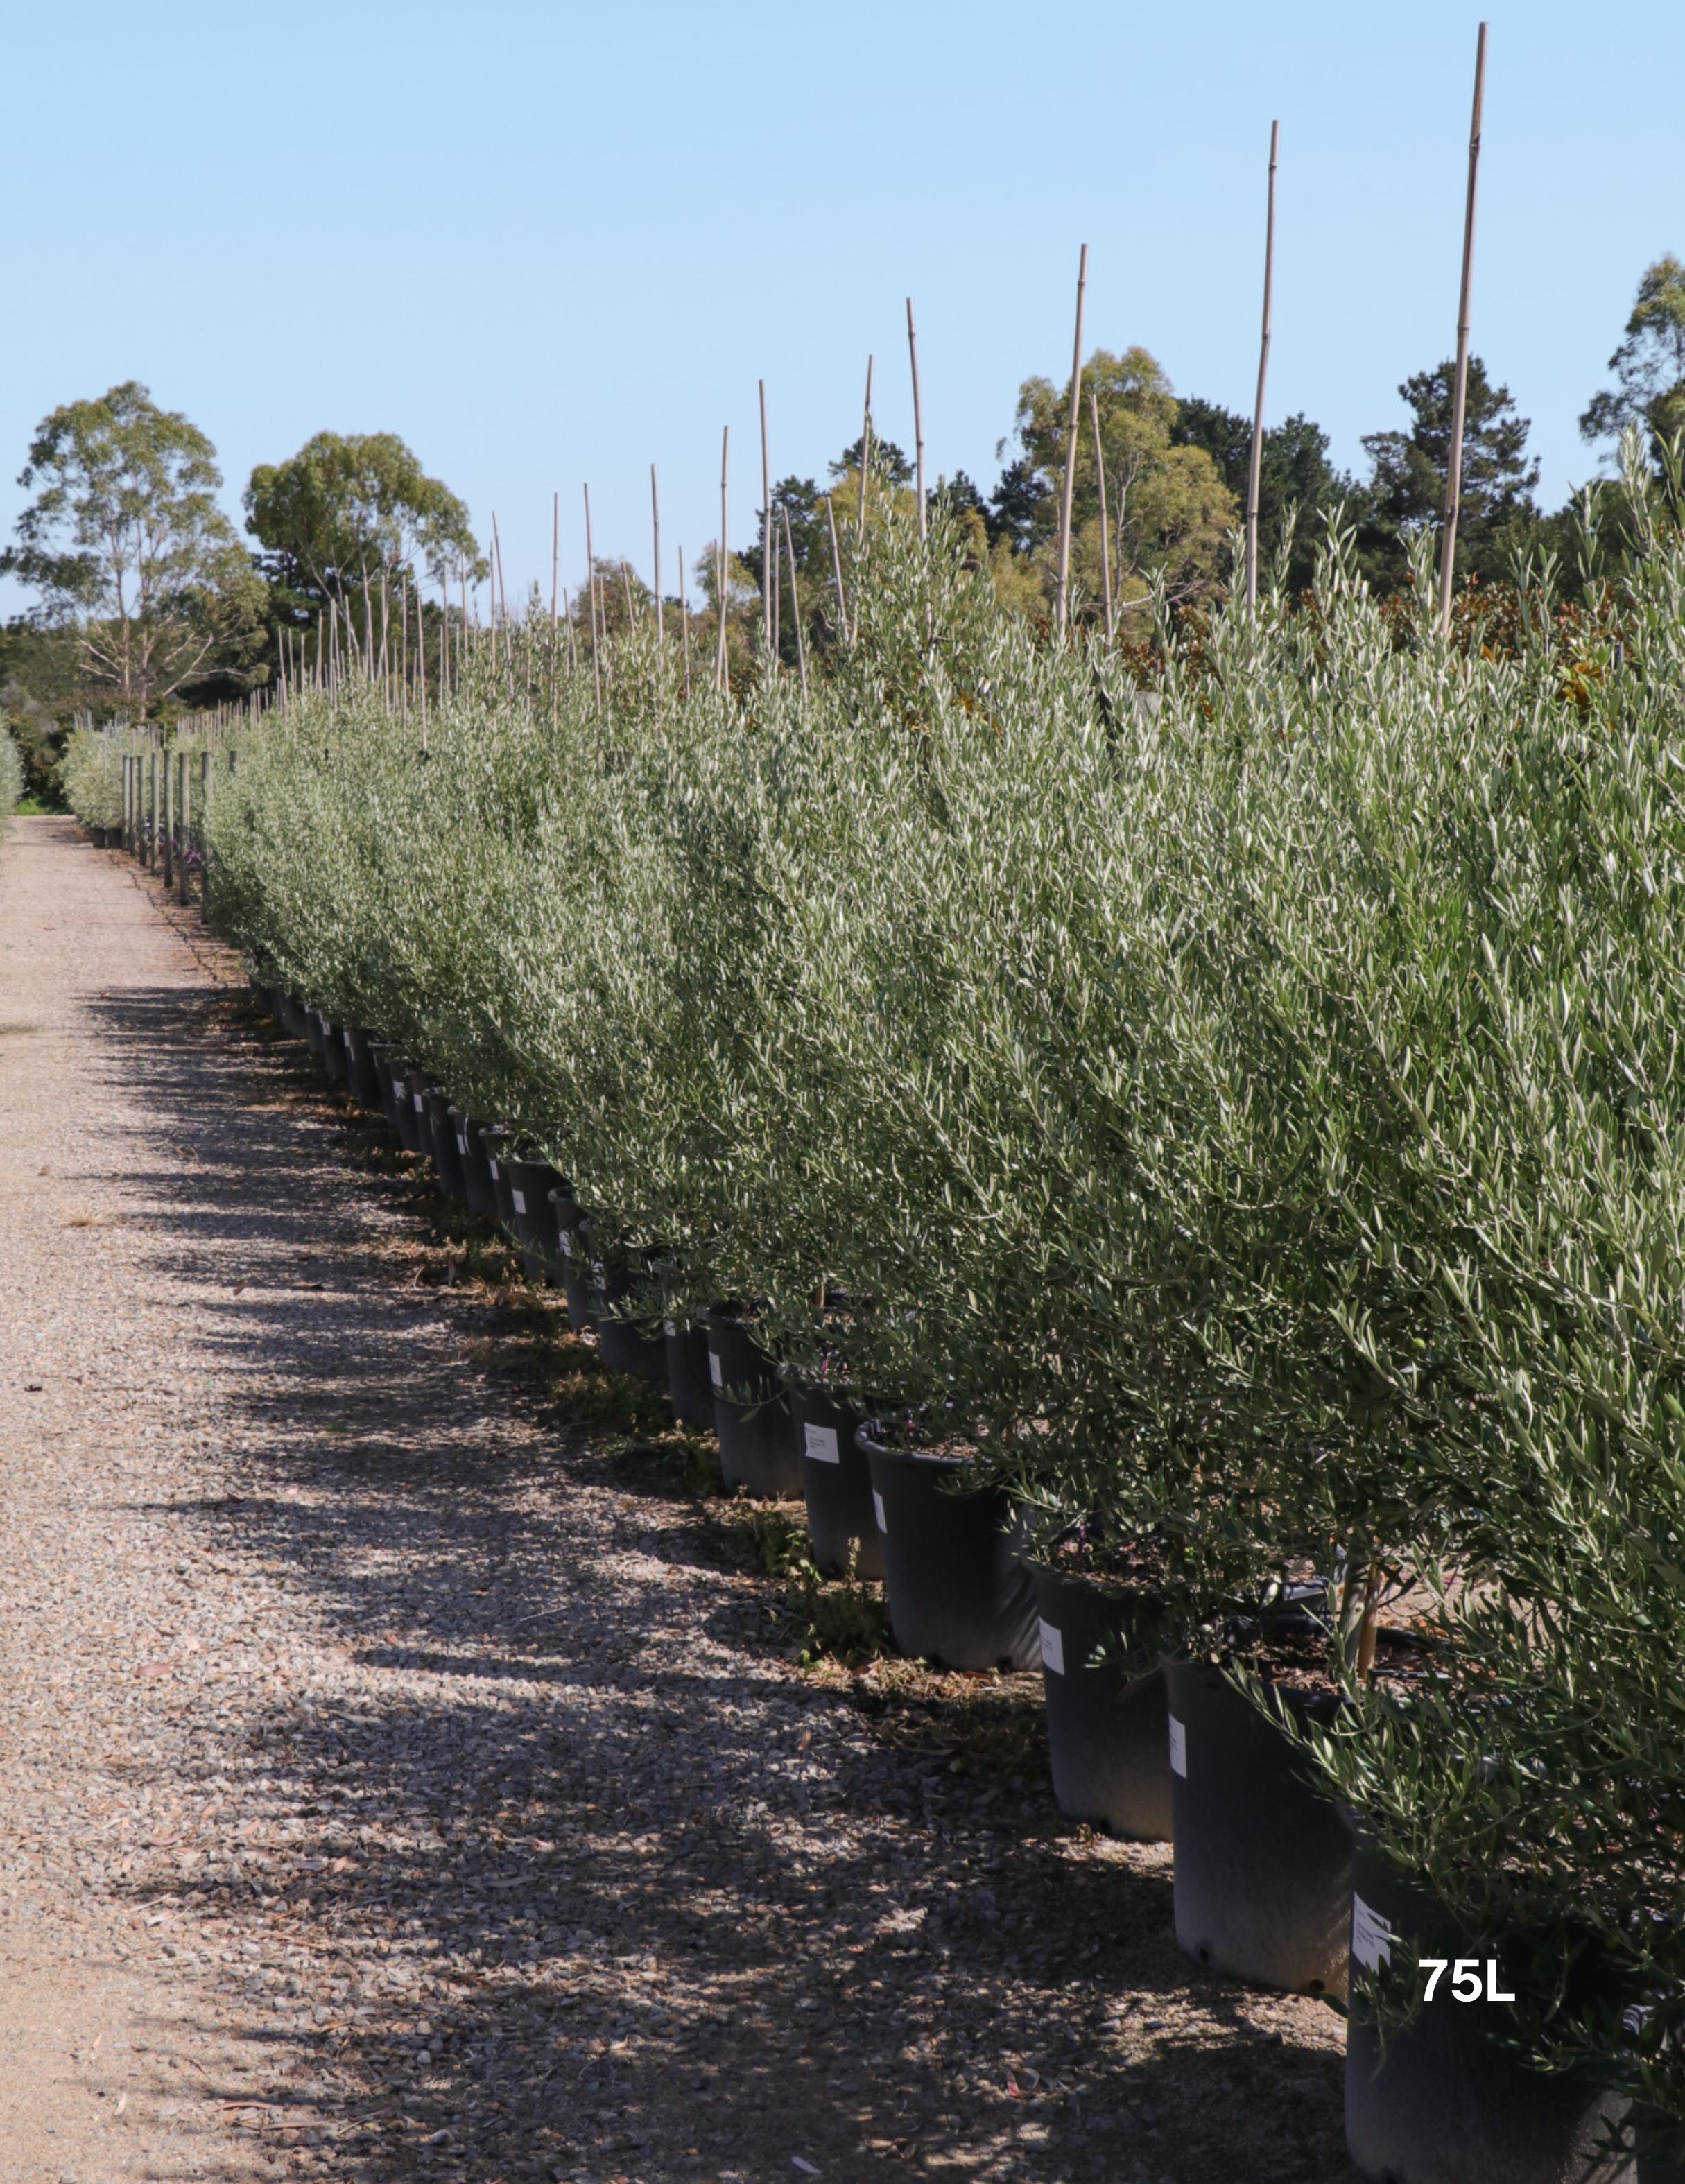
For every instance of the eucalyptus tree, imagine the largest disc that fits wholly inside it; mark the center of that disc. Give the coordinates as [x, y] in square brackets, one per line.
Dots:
[123, 540]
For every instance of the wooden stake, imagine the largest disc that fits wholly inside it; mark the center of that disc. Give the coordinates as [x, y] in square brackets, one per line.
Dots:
[655, 524]
[684, 619]
[796, 606]
[836, 567]
[1105, 533]
[721, 679]
[591, 567]
[1064, 604]
[1256, 470]
[865, 456]
[768, 606]
[1453, 474]
[918, 414]
[498, 600]
[555, 554]
[626, 579]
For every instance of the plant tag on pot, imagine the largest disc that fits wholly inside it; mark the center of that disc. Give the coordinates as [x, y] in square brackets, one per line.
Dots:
[822, 1445]
[492, 1165]
[714, 1371]
[877, 1512]
[518, 1201]
[672, 1327]
[1052, 1649]
[418, 1103]
[1179, 1748]
[1372, 1938]
[462, 1145]
[566, 1244]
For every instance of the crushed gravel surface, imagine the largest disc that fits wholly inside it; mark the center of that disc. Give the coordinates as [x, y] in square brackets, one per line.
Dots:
[403, 1777]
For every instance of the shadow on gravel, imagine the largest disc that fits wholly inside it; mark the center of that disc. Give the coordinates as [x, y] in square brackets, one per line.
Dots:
[578, 1890]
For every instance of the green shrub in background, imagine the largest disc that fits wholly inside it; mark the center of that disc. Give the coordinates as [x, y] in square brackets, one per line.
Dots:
[91, 774]
[1249, 1104]
[11, 780]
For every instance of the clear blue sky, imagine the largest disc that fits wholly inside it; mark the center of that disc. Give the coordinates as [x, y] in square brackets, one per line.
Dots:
[550, 244]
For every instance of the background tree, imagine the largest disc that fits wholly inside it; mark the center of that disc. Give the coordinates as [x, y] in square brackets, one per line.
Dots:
[125, 541]
[1497, 514]
[1169, 510]
[1649, 364]
[345, 512]
[1294, 474]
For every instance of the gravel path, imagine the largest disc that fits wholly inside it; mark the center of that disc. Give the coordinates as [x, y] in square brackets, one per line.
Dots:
[401, 1780]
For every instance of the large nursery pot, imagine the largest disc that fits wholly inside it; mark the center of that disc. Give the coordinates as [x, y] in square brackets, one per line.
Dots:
[333, 1055]
[391, 1072]
[315, 1031]
[294, 1016]
[360, 1073]
[836, 1480]
[573, 1242]
[531, 1218]
[497, 1140]
[1442, 2102]
[440, 1139]
[412, 1129]
[622, 1343]
[470, 1153]
[689, 1383]
[958, 1593]
[1108, 1730]
[1264, 1863]
[750, 1415]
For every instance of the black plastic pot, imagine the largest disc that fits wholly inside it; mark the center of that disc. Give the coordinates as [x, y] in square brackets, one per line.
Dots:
[622, 1343]
[958, 1593]
[750, 1415]
[572, 1241]
[315, 1031]
[1108, 1732]
[688, 1379]
[531, 1218]
[497, 1140]
[836, 1480]
[439, 1140]
[334, 1056]
[1264, 1863]
[476, 1173]
[412, 1121]
[360, 1073]
[294, 1016]
[392, 1073]
[1445, 2104]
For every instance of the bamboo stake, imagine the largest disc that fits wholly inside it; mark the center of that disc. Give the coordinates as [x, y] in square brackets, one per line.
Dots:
[1070, 450]
[1453, 474]
[655, 524]
[404, 649]
[1105, 530]
[591, 570]
[684, 619]
[556, 554]
[720, 554]
[1256, 470]
[836, 565]
[769, 611]
[626, 578]
[567, 616]
[499, 605]
[796, 605]
[865, 457]
[918, 415]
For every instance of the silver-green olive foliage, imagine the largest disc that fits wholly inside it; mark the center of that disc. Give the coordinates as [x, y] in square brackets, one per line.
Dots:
[1255, 1106]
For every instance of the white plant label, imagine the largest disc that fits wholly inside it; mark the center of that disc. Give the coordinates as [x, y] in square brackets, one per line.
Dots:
[518, 1201]
[492, 1165]
[1052, 1649]
[462, 1145]
[822, 1445]
[418, 1103]
[566, 1244]
[1179, 1748]
[672, 1327]
[877, 1512]
[1372, 1938]
[714, 1371]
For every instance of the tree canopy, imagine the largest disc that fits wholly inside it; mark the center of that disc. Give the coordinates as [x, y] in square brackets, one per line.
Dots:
[1650, 364]
[349, 508]
[1294, 476]
[125, 539]
[1168, 508]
